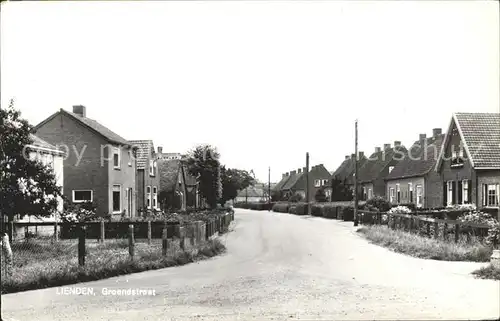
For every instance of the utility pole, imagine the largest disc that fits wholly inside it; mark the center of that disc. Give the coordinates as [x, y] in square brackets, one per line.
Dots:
[269, 188]
[356, 221]
[308, 208]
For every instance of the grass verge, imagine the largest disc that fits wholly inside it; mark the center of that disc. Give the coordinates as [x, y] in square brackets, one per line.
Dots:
[58, 265]
[426, 248]
[489, 272]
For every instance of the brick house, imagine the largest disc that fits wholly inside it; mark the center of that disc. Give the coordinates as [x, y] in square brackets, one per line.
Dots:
[147, 178]
[371, 176]
[99, 166]
[345, 172]
[172, 185]
[296, 183]
[414, 179]
[469, 162]
[278, 188]
[319, 178]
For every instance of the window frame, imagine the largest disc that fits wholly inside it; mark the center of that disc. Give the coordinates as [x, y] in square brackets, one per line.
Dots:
[449, 193]
[116, 151]
[495, 189]
[113, 198]
[410, 192]
[398, 193]
[148, 197]
[419, 199]
[82, 190]
[317, 183]
[155, 198]
[391, 168]
[391, 194]
[465, 191]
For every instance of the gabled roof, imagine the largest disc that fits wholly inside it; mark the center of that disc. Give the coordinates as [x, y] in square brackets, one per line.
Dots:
[292, 182]
[378, 161]
[40, 144]
[480, 134]
[252, 192]
[169, 174]
[346, 169]
[420, 163]
[144, 148]
[91, 124]
[281, 183]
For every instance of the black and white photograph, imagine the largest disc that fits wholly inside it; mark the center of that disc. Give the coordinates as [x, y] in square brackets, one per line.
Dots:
[250, 160]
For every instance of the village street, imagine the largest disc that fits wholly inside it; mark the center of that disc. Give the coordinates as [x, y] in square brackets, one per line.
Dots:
[280, 266]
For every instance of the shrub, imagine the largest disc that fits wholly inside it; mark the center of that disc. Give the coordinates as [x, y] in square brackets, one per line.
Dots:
[296, 198]
[379, 203]
[330, 211]
[297, 208]
[493, 237]
[411, 206]
[400, 210]
[320, 195]
[348, 213]
[317, 210]
[280, 207]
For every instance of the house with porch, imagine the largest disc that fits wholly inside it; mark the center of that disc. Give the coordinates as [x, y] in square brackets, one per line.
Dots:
[469, 161]
[147, 178]
[414, 179]
[99, 166]
[371, 176]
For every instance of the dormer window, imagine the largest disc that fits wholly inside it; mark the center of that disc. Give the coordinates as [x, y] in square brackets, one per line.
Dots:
[457, 158]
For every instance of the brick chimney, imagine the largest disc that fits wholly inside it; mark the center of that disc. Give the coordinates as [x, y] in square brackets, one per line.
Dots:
[160, 149]
[361, 155]
[283, 175]
[304, 169]
[436, 132]
[299, 170]
[397, 143]
[347, 157]
[293, 172]
[80, 110]
[377, 149]
[287, 174]
[387, 146]
[422, 137]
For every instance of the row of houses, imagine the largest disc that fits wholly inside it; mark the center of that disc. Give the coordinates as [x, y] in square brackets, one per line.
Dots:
[121, 176]
[460, 166]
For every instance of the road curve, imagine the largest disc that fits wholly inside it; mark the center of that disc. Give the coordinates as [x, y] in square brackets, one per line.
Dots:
[281, 266]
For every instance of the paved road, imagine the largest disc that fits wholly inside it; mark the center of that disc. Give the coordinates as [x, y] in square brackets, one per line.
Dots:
[281, 266]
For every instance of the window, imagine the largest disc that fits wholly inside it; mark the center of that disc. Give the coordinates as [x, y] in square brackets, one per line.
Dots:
[148, 196]
[130, 157]
[449, 193]
[155, 197]
[317, 183]
[465, 191]
[116, 158]
[410, 192]
[391, 195]
[117, 206]
[364, 193]
[457, 159]
[325, 182]
[491, 194]
[154, 168]
[391, 168]
[370, 193]
[81, 196]
[398, 191]
[151, 168]
[419, 196]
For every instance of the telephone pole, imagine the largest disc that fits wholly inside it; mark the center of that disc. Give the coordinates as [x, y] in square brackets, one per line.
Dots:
[308, 208]
[356, 221]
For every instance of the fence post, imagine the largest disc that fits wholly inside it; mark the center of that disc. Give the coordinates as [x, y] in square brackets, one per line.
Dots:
[56, 237]
[7, 254]
[102, 229]
[428, 229]
[11, 231]
[149, 232]
[164, 242]
[182, 239]
[445, 231]
[81, 244]
[131, 245]
[436, 230]
[457, 232]
[411, 224]
[192, 233]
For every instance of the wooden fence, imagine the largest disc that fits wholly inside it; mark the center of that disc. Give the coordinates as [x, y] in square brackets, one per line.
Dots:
[425, 225]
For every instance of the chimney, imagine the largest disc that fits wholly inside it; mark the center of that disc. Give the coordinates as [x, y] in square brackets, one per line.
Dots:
[287, 174]
[293, 172]
[436, 132]
[377, 149]
[80, 110]
[422, 137]
[387, 146]
[397, 143]
[283, 175]
[299, 170]
[303, 169]
[160, 149]
[361, 155]
[347, 157]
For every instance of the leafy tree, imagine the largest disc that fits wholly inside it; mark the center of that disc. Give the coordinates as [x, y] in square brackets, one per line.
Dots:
[320, 195]
[296, 198]
[233, 181]
[276, 196]
[27, 187]
[340, 190]
[203, 163]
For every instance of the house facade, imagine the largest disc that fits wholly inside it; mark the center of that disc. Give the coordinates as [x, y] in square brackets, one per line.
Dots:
[99, 166]
[147, 177]
[173, 186]
[295, 184]
[414, 179]
[319, 178]
[371, 176]
[469, 163]
[345, 172]
[251, 194]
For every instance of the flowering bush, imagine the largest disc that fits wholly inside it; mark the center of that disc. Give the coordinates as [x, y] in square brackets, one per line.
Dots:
[400, 210]
[379, 203]
[462, 207]
[477, 217]
[75, 213]
[493, 237]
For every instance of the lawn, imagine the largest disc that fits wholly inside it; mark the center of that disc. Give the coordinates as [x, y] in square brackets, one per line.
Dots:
[42, 263]
[426, 248]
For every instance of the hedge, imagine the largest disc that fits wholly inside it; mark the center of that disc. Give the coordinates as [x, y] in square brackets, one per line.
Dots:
[280, 207]
[297, 208]
[254, 206]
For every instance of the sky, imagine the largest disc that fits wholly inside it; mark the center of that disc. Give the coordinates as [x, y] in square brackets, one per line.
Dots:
[263, 81]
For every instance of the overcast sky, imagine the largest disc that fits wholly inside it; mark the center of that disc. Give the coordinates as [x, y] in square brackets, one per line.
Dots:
[265, 82]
